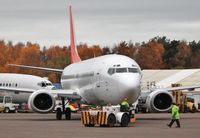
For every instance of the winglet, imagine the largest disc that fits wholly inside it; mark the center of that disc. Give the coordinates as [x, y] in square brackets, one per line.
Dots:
[73, 50]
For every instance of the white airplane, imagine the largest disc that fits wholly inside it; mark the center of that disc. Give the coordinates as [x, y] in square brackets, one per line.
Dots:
[20, 86]
[101, 80]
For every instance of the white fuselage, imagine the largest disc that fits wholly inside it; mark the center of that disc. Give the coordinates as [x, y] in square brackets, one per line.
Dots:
[103, 80]
[26, 83]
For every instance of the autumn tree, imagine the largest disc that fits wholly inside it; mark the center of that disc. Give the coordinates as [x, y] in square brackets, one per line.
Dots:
[106, 50]
[3, 55]
[86, 52]
[58, 58]
[30, 55]
[158, 53]
[96, 50]
[124, 48]
[150, 56]
[182, 57]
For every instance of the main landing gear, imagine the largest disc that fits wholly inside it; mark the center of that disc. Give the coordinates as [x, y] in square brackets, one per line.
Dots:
[62, 110]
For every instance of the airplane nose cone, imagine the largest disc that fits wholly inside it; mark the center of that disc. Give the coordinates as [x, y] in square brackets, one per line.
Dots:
[130, 87]
[130, 82]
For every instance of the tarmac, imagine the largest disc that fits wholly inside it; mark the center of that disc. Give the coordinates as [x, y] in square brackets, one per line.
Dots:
[32, 125]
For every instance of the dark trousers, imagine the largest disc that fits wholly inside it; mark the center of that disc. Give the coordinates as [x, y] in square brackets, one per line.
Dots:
[177, 122]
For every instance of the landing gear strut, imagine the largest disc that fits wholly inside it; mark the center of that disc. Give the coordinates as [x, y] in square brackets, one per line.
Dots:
[60, 112]
[68, 114]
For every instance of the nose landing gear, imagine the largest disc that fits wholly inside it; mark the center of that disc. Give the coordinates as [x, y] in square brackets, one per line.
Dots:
[62, 110]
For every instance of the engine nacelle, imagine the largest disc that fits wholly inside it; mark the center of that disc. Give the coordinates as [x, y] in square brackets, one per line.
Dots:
[159, 101]
[41, 101]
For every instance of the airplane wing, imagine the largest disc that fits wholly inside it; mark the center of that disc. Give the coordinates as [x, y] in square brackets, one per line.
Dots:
[189, 88]
[11, 89]
[59, 71]
[70, 94]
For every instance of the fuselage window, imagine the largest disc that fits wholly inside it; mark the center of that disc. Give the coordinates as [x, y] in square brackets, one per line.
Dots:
[111, 71]
[16, 85]
[133, 70]
[6, 84]
[3, 84]
[121, 70]
[0, 84]
[9, 84]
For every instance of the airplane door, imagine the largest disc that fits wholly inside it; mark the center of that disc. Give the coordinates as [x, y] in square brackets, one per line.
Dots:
[105, 88]
[98, 80]
[101, 89]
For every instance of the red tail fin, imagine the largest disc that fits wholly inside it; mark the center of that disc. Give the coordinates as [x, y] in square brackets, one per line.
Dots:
[73, 50]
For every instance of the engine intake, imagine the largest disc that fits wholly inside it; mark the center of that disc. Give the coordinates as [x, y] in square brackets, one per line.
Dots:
[159, 101]
[41, 101]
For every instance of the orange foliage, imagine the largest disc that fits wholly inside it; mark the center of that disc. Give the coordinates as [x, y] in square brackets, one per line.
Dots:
[126, 49]
[150, 56]
[30, 55]
[86, 52]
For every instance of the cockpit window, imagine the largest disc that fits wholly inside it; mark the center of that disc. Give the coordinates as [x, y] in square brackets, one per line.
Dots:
[48, 84]
[111, 71]
[44, 84]
[133, 70]
[121, 70]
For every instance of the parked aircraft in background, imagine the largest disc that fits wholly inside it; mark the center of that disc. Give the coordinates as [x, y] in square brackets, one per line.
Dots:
[20, 86]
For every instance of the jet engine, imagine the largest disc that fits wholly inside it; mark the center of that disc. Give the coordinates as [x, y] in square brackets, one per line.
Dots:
[159, 101]
[41, 101]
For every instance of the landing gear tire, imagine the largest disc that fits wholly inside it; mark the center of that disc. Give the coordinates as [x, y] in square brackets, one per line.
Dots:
[68, 114]
[58, 114]
[90, 125]
[111, 120]
[6, 110]
[125, 120]
[144, 110]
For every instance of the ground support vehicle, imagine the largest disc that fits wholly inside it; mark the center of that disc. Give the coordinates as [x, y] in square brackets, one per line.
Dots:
[109, 116]
[7, 105]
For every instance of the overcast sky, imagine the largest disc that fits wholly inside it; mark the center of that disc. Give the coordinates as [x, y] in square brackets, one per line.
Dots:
[103, 22]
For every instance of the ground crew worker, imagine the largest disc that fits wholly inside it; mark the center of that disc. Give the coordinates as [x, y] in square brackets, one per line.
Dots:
[125, 105]
[175, 116]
